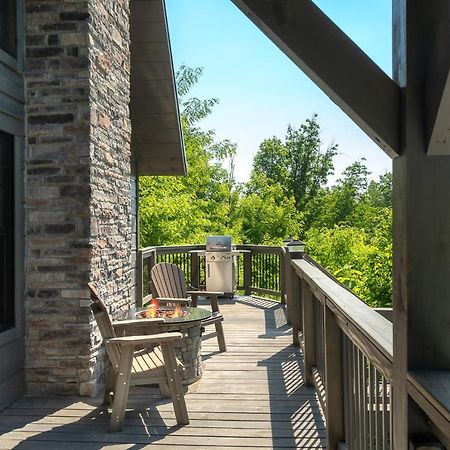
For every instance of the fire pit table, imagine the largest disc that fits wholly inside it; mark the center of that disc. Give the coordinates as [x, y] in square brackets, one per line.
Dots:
[186, 320]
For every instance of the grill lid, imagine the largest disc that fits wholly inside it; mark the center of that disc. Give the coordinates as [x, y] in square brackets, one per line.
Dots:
[218, 244]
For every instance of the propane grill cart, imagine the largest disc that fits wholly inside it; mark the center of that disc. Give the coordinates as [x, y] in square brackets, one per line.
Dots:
[220, 265]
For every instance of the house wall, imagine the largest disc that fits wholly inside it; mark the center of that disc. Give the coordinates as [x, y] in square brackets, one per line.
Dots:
[77, 187]
[113, 261]
[12, 120]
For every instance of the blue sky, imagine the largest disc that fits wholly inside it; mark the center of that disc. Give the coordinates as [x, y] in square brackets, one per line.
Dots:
[260, 90]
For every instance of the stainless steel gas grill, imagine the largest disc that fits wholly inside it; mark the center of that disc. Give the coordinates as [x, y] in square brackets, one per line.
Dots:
[220, 265]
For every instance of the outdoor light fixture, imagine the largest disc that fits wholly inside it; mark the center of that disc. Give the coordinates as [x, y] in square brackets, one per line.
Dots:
[294, 246]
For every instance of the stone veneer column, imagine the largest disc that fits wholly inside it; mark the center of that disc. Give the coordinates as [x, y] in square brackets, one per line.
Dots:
[78, 187]
[112, 234]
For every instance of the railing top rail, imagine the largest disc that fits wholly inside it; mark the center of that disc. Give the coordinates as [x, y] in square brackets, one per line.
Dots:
[147, 250]
[167, 249]
[161, 249]
[375, 328]
[271, 249]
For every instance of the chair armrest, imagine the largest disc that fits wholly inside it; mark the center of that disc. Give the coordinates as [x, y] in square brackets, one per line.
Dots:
[204, 293]
[173, 300]
[135, 326]
[145, 340]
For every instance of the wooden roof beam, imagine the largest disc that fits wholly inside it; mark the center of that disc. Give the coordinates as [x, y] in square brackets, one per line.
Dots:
[335, 63]
[437, 85]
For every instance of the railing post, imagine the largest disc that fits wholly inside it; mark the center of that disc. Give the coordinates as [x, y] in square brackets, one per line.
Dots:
[309, 353]
[334, 386]
[151, 262]
[295, 297]
[283, 276]
[195, 270]
[289, 274]
[139, 278]
[248, 273]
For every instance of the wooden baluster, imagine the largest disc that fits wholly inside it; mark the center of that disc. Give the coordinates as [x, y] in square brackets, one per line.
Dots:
[283, 278]
[333, 382]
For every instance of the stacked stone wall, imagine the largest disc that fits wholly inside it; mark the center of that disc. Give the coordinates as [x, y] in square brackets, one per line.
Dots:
[57, 194]
[77, 185]
[112, 236]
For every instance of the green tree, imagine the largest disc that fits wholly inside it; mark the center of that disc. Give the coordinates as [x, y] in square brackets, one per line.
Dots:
[340, 204]
[182, 210]
[272, 161]
[347, 226]
[298, 165]
[379, 193]
[268, 216]
[309, 166]
[352, 234]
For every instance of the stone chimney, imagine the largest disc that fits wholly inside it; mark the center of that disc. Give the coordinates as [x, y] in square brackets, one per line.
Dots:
[79, 186]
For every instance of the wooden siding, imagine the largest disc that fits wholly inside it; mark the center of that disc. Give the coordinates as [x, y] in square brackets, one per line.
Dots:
[12, 118]
[252, 396]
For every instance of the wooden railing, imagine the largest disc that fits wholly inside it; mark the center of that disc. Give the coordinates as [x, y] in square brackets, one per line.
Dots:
[259, 269]
[348, 357]
[347, 350]
[347, 346]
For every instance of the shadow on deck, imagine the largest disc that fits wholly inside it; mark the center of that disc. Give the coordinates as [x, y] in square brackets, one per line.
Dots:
[252, 396]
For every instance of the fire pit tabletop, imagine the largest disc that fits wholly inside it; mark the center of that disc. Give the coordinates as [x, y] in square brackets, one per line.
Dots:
[193, 314]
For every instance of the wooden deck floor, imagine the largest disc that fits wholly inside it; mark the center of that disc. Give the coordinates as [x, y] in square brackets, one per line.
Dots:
[252, 396]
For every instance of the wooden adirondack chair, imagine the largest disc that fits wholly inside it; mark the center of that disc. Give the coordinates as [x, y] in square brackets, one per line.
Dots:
[138, 360]
[168, 283]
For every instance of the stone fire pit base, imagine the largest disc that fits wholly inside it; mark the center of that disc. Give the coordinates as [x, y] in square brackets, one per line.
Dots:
[189, 349]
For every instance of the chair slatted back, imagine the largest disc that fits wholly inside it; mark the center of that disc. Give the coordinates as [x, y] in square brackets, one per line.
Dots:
[104, 325]
[168, 281]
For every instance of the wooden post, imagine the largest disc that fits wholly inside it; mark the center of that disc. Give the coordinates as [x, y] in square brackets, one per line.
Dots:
[289, 274]
[195, 270]
[149, 262]
[296, 307]
[309, 355]
[283, 276]
[248, 273]
[334, 386]
[421, 216]
[139, 278]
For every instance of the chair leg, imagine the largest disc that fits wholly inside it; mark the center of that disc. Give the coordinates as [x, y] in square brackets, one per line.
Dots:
[122, 388]
[164, 390]
[220, 337]
[108, 398]
[174, 383]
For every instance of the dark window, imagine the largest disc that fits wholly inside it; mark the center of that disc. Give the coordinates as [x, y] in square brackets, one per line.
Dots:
[6, 231]
[8, 27]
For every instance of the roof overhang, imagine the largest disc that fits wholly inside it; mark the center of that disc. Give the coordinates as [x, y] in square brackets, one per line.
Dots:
[156, 137]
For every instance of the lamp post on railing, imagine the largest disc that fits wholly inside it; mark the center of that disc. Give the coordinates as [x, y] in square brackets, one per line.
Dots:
[296, 248]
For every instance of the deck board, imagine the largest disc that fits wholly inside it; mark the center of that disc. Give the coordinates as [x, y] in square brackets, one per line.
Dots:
[251, 397]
